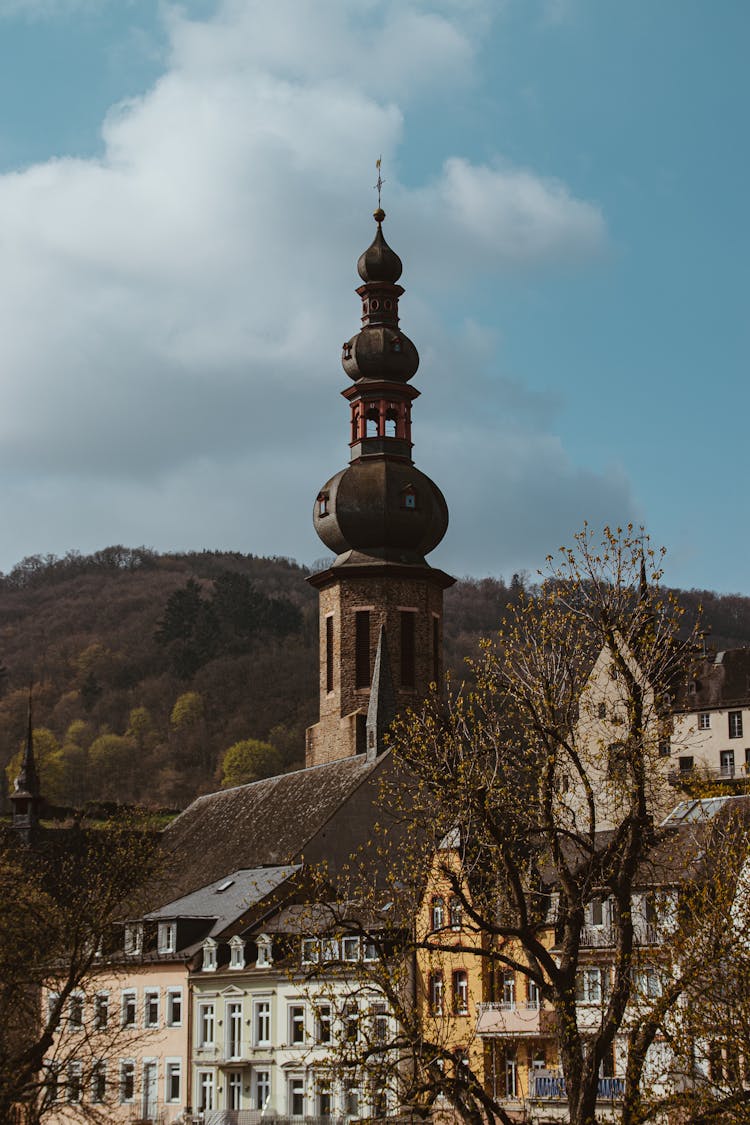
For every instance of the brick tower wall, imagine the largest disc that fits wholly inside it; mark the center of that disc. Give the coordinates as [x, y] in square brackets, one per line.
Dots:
[338, 734]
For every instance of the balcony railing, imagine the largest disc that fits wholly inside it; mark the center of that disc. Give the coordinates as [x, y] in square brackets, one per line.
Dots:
[551, 1088]
[727, 773]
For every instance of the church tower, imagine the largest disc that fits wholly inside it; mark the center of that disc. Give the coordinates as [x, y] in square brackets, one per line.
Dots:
[381, 603]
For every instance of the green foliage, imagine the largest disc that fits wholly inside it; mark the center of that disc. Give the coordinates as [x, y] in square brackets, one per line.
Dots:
[249, 760]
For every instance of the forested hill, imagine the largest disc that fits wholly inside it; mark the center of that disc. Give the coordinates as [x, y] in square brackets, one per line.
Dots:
[148, 667]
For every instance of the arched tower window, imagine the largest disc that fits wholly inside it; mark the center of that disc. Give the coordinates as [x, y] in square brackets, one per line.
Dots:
[391, 422]
[373, 421]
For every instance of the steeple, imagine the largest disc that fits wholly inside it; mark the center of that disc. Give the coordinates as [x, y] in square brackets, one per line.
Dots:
[26, 799]
[380, 600]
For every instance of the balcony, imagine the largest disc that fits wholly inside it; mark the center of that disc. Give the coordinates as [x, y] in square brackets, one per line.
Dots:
[605, 937]
[505, 1018]
[551, 1088]
[709, 775]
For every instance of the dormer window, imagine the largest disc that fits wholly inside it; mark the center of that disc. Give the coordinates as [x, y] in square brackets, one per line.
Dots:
[409, 499]
[167, 940]
[265, 952]
[134, 940]
[236, 953]
[209, 955]
[322, 503]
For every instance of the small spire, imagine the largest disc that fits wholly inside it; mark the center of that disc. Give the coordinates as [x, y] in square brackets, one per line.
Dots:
[643, 581]
[382, 709]
[26, 796]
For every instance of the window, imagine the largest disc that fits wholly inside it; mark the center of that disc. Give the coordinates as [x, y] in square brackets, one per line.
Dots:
[665, 748]
[373, 420]
[297, 1023]
[437, 912]
[98, 1082]
[509, 989]
[362, 648]
[460, 993]
[53, 1000]
[75, 1012]
[596, 912]
[323, 1023]
[310, 951]
[128, 1008]
[391, 420]
[589, 986]
[101, 1011]
[456, 913]
[601, 711]
[205, 1090]
[435, 649]
[735, 724]
[151, 1007]
[234, 1030]
[726, 759]
[174, 1007]
[436, 993]
[234, 1091]
[379, 1013]
[351, 1099]
[236, 953]
[329, 949]
[73, 1084]
[262, 1022]
[167, 939]
[134, 940]
[209, 955]
[351, 1021]
[322, 503]
[296, 1096]
[511, 1075]
[173, 1080]
[206, 1022]
[533, 995]
[648, 982]
[409, 499]
[686, 764]
[408, 635]
[324, 1099]
[370, 951]
[704, 720]
[350, 949]
[261, 1088]
[127, 1081]
[329, 653]
[265, 955]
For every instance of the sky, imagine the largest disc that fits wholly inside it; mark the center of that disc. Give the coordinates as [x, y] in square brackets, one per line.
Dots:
[185, 190]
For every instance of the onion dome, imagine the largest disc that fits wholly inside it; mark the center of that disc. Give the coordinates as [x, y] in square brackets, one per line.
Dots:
[380, 351]
[383, 508]
[379, 263]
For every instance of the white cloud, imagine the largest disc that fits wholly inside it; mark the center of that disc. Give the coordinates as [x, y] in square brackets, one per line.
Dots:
[170, 313]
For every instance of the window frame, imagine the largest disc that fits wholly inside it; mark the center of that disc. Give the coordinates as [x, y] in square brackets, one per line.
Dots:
[206, 1021]
[734, 724]
[174, 993]
[172, 1071]
[261, 1020]
[129, 996]
[151, 994]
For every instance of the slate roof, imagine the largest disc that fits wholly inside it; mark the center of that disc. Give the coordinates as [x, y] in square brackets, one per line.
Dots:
[225, 899]
[320, 813]
[723, 680]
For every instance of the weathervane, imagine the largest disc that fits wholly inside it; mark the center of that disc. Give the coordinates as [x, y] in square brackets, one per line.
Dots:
[379, 185]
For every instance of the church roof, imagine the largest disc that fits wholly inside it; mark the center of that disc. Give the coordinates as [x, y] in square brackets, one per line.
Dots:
[225, 899]
[320, 813]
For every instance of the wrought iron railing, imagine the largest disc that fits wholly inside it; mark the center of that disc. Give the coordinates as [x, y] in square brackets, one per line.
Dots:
[551, 1087]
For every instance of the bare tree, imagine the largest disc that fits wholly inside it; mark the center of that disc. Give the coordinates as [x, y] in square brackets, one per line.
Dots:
[60, 897]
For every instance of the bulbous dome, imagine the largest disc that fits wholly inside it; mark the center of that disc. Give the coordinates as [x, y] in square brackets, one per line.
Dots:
[386, 509]
[379, 262]
[380, 351]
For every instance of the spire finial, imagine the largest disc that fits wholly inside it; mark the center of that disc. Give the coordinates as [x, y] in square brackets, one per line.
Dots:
[379, 215]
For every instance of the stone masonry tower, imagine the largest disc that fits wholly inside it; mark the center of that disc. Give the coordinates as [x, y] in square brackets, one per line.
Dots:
[381, 603]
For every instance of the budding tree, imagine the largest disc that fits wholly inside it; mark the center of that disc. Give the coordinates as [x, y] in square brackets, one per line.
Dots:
[517, 805]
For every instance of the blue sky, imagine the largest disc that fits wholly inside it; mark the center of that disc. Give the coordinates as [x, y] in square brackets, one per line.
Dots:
[184, 192]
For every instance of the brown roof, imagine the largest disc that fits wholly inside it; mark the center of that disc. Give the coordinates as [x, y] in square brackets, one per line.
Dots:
[723, 680]
[321, 813]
